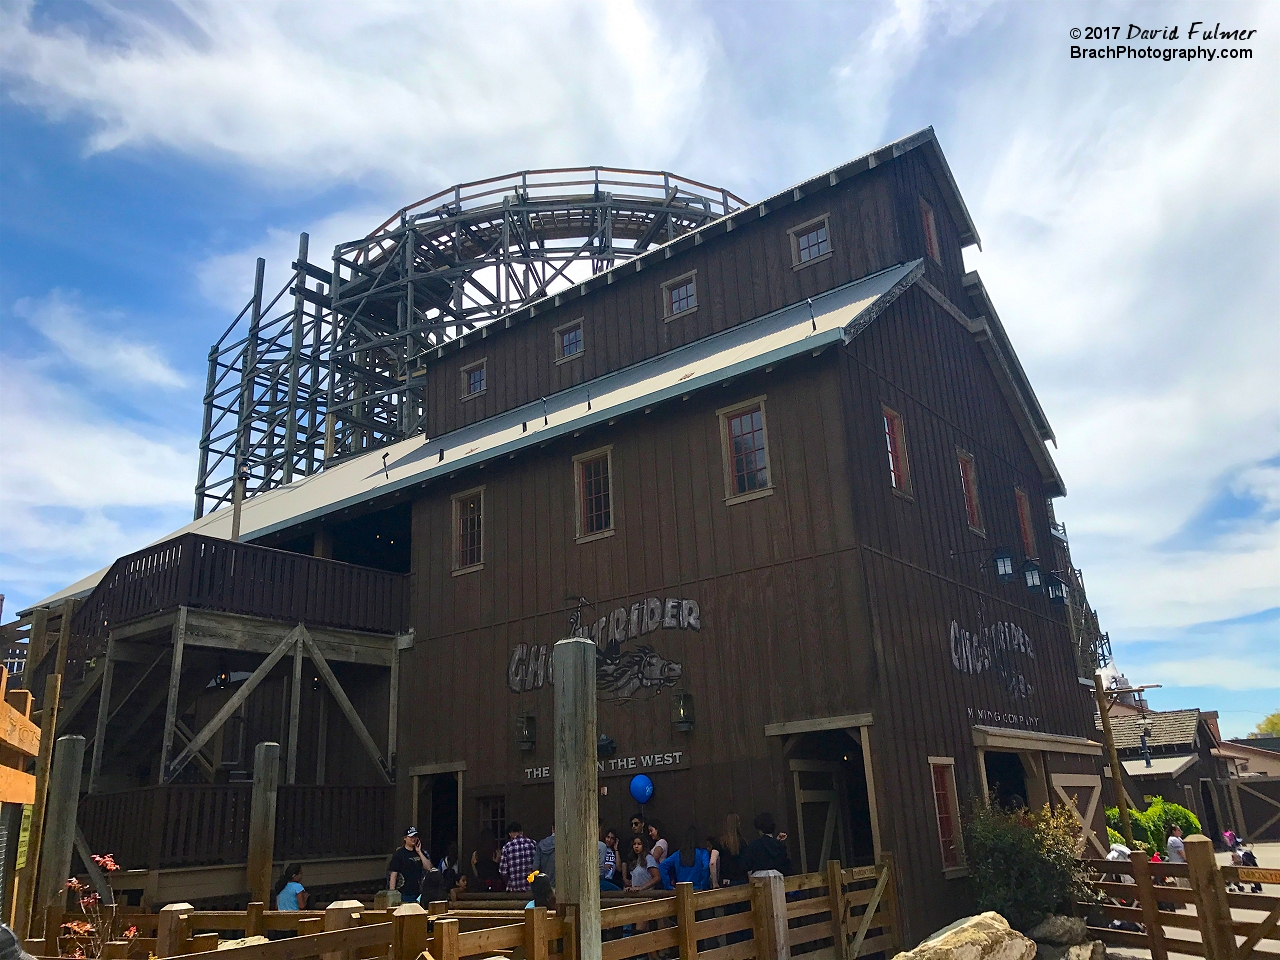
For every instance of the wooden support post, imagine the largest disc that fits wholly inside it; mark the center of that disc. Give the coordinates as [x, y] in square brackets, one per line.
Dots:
[52, 928]
[1117, 771]
[175, 684]
[891, 901]
[97, 876]
[569, 911]
[535, 933]
[835, 893]
[295, 713]
[1150, 905]
[27, 876]
[60, 823]
[36, 645]
[577, 796]
[12, 814]
[409, 932]
[444, 941]
[171, 932]
[262, 820]
[64, 634]
[769, 918]
[686, 939]
[393, 705]
[253, 919]
[322, 735]
[344, 703]
[1212, 909]
[104, 712]
[340, 915]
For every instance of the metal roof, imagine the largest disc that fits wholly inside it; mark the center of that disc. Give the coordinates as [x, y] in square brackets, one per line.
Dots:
[1160, 766]
[805, 327]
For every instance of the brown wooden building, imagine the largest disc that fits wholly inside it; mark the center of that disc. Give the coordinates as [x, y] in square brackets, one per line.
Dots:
[788, 472]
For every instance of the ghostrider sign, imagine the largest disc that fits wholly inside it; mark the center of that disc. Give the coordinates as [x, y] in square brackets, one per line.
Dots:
[640, 672]
[995, 648]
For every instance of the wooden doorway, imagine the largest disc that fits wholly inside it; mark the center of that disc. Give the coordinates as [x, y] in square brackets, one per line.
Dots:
[821, 817]
[436, 808]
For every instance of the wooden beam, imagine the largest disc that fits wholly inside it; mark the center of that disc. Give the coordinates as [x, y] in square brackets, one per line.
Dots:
[60, 825]
[175, 684]
[104, 712]
[137, 684]
[353, 718]
[322, 737]
[229, 631]
[17, 732]
[36, 646]
[186, 736]
[295, 712]
[69, 607]
[262, 820]
[84, 691]
[233, 704]
[393, 705]
[817, 724]
[16, 786]
[97, 877]
[27, 876]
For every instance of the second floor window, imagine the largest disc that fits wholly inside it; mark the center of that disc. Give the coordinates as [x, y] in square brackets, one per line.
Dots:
[468, 525]
[969, 486]
[569, 341]
[595, 493]
[680, 295]
[810, 241]
[473, 379]
[895, 439]
[1024, 522]
[745, 437]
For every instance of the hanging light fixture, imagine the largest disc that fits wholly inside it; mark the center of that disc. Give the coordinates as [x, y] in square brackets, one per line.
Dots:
[682, 711]
[1002, 561]
[223, 679]
[526, 732]
[1057, 590]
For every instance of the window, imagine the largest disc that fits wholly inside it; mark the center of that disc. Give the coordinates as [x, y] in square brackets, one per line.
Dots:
[810, 242]
[468, 528]
[473, 379]
[569, 341]
[969, 485]
[593, 477]
[1024, 522]
[895, 439]
[942, 770]
[930, 231]
[492, 815]
[680, 295]
[745, 440]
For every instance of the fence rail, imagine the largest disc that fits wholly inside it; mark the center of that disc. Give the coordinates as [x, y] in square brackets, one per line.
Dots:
[187, 825]
[835, 915]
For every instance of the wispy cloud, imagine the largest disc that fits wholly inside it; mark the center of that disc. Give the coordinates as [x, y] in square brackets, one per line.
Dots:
[86, 340]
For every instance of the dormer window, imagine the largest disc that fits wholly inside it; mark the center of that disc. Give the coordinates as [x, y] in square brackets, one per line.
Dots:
[473, 380]
[568, 341]
[810, 242]
[680, 295]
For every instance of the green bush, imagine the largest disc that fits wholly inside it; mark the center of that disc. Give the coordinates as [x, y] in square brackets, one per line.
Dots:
[1023, 863]
[1151, 826]
[1113, 835]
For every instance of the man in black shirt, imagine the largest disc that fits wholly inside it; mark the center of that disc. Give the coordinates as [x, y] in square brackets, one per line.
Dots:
[767, 851]
[408, 864]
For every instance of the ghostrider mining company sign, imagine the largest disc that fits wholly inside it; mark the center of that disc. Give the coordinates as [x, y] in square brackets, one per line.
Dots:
[626, 669]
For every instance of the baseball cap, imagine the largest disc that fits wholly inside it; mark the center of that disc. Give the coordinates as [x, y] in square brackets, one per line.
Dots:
[411, 832]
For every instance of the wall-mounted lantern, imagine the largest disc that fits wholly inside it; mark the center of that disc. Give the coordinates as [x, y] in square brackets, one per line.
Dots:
[223, 679]
[1057, 589]
[526, 732]
[606, 746]
[682, 711]
[1031, 576]
[1002, 561]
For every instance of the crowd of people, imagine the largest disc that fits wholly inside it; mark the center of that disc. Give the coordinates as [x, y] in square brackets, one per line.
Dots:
[647, 860]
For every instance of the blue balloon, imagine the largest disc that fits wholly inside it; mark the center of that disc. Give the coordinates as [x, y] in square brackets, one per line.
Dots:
[641, 788]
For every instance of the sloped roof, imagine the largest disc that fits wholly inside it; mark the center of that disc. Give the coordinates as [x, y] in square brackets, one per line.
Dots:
[1160, 766]
[809, 326]
[1169, 728]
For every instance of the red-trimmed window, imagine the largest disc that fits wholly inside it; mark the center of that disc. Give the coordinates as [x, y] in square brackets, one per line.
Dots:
[969, 485]
[930, 224]
[594, 495]
[1024, 522]
[946, 805]
[895, 439]
[749, 465]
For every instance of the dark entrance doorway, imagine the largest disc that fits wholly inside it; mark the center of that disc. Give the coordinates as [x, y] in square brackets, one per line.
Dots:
[444, 813]
[833, 810]
[1006, 779]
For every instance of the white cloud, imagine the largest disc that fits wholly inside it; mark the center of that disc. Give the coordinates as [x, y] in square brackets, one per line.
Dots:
[85, 340]
[1228, 673]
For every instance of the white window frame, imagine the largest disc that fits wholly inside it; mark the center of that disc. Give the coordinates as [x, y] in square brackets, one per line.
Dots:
[556, 342]
[962, 867]
[796, 232]
[578, 461]
[466, 379]
[725, 414]
[680, 281]
[455, 502]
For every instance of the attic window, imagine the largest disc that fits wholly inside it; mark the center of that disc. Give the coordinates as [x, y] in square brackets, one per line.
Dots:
[568, 341]
[930, 225]
[810, 242]
[474, 381]
[680, 296]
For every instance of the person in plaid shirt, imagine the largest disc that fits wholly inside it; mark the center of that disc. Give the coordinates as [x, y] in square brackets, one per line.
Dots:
[517, 858]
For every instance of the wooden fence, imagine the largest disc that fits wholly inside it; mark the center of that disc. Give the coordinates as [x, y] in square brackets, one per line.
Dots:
[1256, 803]
[1184, 909]
[835, 915]
[203, 824]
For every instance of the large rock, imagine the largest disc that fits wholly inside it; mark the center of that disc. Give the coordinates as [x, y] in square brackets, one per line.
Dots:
[987, 936]
[1060, 931]
[1089, 950]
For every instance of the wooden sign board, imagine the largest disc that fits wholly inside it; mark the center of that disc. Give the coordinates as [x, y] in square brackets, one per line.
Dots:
[19, 739]
[1257, 875]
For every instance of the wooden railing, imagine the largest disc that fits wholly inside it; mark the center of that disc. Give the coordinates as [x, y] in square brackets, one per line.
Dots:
[1151, 899]
[186, 825]
[835, 915]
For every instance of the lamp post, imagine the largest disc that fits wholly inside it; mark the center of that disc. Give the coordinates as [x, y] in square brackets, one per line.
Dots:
[1146, 749]
[1104, 711]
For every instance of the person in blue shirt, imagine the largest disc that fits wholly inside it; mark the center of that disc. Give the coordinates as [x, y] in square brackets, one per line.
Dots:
[290, 893]
[691, 864]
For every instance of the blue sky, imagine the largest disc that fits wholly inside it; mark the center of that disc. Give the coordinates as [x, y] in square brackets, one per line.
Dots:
[1130, 215]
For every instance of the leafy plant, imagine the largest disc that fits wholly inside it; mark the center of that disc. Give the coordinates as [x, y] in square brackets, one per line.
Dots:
[1151, 826]
[1113, 835]
[1270, 727]
[1024, 863]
